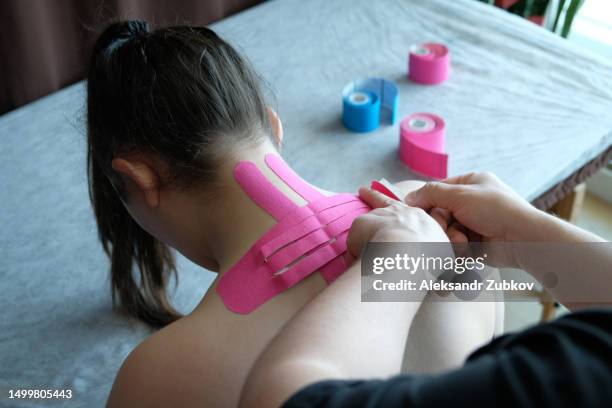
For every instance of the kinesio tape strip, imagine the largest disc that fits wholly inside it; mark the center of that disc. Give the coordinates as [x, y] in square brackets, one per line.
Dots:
[388, 189]
[309, 225]
[428, 63]
[293, 251]
[421, 144]
[369, 102]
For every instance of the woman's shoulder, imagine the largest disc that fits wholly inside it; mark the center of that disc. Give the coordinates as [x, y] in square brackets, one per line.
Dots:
[160, 366]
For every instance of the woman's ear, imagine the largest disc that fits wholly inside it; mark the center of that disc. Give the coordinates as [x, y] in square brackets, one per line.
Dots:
[277, 126]
[142, 174]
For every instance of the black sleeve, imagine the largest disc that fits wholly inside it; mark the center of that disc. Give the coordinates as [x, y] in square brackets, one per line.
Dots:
[565, 363]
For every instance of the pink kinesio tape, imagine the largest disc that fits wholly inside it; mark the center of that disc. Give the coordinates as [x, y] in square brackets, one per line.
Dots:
[422, 144]
[428, 63]
[388, 189]
[306, 238]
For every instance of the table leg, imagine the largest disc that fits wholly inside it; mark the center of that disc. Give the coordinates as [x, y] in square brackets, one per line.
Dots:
[569, 206]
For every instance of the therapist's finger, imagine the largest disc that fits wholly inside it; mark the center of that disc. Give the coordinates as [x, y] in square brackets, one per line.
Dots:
[461, 179]
[483, 177]
[457, 233]
[376, 199]
[467, 178]
[433, 194]
[442, 217]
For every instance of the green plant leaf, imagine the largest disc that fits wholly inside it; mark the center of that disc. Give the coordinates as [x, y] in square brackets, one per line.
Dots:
[559, 11]
[572, 10]
[527, 11]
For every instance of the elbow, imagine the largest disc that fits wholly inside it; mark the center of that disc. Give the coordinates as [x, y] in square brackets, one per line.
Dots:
[265, 386]
[271, 385]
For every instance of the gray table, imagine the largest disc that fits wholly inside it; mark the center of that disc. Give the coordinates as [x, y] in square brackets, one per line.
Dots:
[521, 102]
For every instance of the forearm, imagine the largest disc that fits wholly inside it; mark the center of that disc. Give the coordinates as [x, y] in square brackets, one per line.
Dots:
[335, 336]
[539, 226]
[572, 263]
[550, 248]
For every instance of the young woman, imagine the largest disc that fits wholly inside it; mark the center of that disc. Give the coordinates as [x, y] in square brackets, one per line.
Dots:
[182, 153]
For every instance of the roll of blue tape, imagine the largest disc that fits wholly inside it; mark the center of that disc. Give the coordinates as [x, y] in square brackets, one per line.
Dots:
[361, 111]
[369, 102]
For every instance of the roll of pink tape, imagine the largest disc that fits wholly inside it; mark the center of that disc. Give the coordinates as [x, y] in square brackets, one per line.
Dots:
[422, 144]
[429, 63]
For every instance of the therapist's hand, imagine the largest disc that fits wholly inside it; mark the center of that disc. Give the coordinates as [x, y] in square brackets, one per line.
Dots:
[477, 206]
[391, 221]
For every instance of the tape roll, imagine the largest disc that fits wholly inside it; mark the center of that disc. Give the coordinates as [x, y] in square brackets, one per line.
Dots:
[422, 144]
[367, 103]
[428, 63]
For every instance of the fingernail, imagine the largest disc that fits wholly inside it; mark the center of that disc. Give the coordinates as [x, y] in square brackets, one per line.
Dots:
[410, 197]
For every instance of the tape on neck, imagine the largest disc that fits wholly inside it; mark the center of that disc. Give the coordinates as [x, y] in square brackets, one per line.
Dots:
[305, 239]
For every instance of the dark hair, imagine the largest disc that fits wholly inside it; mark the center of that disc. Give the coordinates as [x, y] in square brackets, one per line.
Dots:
[182, 94]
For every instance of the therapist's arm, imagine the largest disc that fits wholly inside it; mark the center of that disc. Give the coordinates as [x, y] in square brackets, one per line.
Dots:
[478, 206]
[336, 335]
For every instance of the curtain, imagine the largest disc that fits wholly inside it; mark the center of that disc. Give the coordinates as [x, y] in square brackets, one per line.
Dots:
[45, 44]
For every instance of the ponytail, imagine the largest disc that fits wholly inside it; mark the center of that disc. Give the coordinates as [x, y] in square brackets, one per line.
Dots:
[126, 244]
